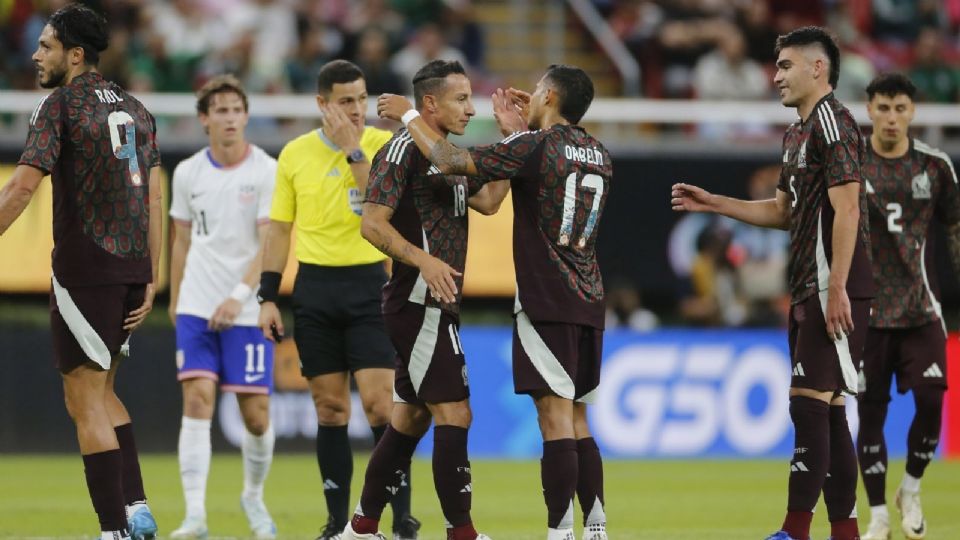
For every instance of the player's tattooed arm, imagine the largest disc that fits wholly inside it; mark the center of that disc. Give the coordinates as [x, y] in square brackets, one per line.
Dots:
[375, 227]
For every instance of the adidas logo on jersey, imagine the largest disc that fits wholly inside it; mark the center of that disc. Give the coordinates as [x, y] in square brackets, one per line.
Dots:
[933, 372]
[334, 172]
[798, 467]
[798, 370]
[876, 468]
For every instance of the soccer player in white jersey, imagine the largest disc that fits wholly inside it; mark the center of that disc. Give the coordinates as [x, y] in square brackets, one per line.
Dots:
[220, 211]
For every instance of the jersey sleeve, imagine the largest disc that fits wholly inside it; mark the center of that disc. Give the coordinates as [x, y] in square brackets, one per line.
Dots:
[474, 185]
[267, 185]
[390, 171]
[44, 133]
[180, 199]
[783, 184]
[284, 204]
[948, 201]
[505, 159]
[153, 157]
[840, 143]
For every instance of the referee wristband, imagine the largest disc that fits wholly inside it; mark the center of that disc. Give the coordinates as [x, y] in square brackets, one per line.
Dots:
[269, 287]
[241, 292]
[409, 116]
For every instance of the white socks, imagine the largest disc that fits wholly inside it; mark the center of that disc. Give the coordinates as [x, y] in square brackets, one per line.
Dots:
[194, 452]
[910, 483]
[879, 512]
[257, 457]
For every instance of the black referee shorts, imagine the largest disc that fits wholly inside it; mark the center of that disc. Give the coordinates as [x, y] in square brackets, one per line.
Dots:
[337, 323]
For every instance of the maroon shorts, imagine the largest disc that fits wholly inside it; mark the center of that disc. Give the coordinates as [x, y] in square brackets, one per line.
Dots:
[918, 357]
[86, 323]
[819, 362]
[430, 365]
[559, 358]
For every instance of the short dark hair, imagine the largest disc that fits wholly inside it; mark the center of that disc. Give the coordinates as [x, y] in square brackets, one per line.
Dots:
[574, 88]
[431, 78]
[808, 35]
[891, 85]
[221, 84]
[336, 72]
[76, 25]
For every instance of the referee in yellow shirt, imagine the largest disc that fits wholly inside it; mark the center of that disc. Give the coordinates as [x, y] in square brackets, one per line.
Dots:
[338, 326]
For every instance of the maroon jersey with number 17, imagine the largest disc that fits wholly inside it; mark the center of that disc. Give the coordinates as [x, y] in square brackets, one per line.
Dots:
[98, 143]
[560, 180]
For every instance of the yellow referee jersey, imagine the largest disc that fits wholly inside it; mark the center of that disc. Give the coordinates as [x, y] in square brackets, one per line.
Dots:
[315, 190]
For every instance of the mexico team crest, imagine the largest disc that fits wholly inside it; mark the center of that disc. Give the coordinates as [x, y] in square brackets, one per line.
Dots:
[921, 186]
[802, 156]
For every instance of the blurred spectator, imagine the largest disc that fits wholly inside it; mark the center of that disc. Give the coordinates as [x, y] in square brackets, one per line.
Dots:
[625, 309]
[902, 20]
[715, 300]
[318, 44]
[366, 13]
[373, 57]
[416, 13]
[753, 17]
[788, 15]
[263, 33]
[182, 37]
[426, 45]
[690, 31]
[856, 70]
[936, 80]
[461, 30]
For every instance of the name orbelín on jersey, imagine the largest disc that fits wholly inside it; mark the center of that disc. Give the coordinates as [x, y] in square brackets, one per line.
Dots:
[823, 152]
[906, 196]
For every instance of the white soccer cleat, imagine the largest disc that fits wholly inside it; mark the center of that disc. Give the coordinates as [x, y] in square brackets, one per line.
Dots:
[560, 534]
[482, 537]
[597, 531]
[261, 524]
[190, 529]
[912, 523]
[879, 529]
[349, 534]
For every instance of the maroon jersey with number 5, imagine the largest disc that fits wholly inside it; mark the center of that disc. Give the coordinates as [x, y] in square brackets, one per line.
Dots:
[560, 180]
[98, 144]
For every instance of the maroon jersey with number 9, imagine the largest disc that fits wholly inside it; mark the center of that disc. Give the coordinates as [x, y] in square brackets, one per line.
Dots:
[98, 144]
[560, 180]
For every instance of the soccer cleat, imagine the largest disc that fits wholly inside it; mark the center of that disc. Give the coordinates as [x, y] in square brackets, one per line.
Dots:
[349, 534]
[407, 529]
[261, 525]
[190, 529]
[332, 532]
[879, 529]
[560, 534]
[780, 535]
[142, 525]
[912, 523]
[596, 531]
[482, 537]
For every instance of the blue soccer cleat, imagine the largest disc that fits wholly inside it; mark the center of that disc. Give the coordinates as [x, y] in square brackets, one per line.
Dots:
[780, 535]
[142, 525]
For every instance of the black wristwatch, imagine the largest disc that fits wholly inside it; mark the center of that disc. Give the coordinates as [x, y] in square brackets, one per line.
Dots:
[357, 156]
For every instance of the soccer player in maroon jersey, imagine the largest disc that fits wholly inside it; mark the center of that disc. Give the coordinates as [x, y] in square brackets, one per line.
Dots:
[820, 199]
[98, 144]
[560, 178]
[418, 216]
[910, 187]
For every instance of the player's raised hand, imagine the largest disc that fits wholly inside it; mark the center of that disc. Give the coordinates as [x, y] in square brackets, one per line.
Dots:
[270, 322]
[440, 279]
[688, 198]
[225, 314]
[341, 130]
[522, 100]
[392, 106]
[507, 113]
[838, 316]
[136, 317]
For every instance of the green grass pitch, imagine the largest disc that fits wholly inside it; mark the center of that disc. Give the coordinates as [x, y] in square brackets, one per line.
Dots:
[45, 496]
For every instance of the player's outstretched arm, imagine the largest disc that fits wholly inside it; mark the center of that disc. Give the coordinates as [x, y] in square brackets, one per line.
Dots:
[154, 242]
[447, 157]
[770, 213]
[178, 260]
[16, 194]
[375, 227]
[487, 201]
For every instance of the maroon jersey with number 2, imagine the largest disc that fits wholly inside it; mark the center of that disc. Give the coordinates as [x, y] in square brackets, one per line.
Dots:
[98, 144]
[560, 180]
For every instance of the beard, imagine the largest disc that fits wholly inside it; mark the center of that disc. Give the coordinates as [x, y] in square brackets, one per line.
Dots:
[55, 77]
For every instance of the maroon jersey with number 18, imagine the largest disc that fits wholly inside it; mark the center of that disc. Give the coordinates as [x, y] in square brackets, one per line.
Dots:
[818, 154]
[98, 144]
[560, 180]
